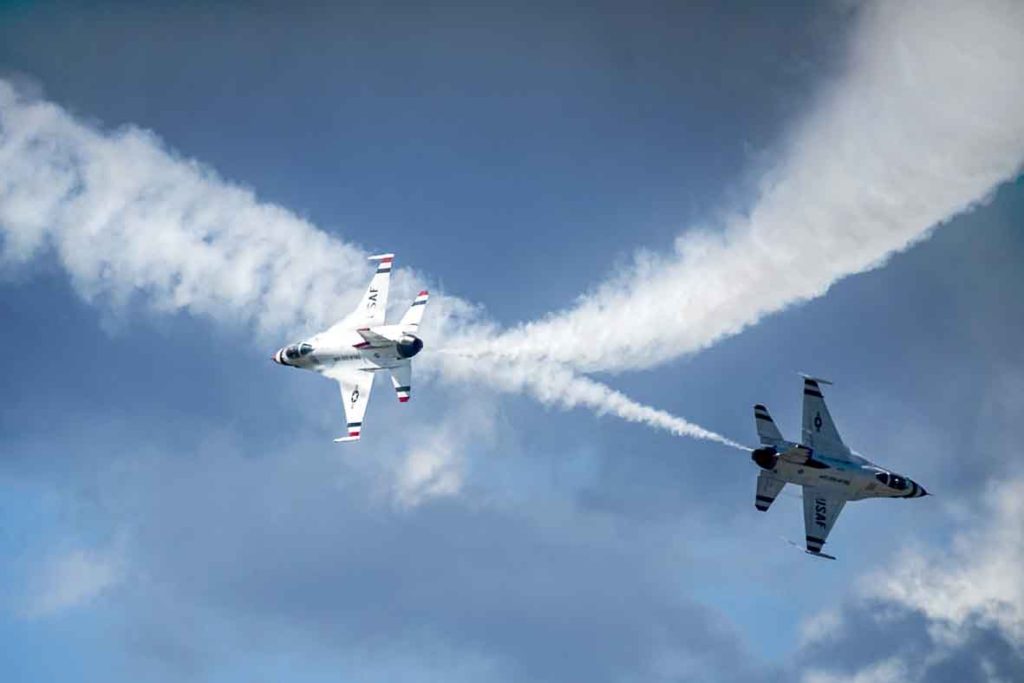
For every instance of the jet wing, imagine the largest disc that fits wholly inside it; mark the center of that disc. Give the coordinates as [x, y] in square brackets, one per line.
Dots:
[356, 386]
[819, 431]
[375, 301]
[401, 379]
[820, 512]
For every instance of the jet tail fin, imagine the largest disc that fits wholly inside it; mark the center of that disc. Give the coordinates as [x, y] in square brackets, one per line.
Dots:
[768, 488]
[766, 429]
[411, 320]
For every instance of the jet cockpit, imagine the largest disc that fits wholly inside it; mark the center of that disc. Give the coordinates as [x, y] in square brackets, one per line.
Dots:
[290, 354]
[908, 488]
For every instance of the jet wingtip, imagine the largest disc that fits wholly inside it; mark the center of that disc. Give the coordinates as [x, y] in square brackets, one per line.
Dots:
[808, 552]
[820, 554]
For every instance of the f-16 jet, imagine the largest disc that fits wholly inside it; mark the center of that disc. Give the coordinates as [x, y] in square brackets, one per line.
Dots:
[829, 472]
[353, 350]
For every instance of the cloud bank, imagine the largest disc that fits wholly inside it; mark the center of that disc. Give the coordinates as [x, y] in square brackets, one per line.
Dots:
[71, 580]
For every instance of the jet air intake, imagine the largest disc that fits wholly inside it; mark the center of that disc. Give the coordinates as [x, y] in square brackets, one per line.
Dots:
[765, 457]
[409, 345]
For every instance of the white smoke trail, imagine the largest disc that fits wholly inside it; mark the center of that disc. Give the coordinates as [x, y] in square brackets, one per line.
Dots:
[926, 121]
[555, 384]
[127, 218]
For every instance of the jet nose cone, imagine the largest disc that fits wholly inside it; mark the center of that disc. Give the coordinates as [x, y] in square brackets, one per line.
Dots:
[276, 357]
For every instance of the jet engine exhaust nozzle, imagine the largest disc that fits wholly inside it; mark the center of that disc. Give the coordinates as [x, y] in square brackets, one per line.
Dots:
[765, 458]
[409, 345]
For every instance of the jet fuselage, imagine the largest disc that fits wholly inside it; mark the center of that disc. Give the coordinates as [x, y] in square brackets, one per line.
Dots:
[852, 480]
[351, 348]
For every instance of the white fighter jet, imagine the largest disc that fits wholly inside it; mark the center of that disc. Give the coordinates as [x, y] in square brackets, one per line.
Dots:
[353, 350]
[830, 473]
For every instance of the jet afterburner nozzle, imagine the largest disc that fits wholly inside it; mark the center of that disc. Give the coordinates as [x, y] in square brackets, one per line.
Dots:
[765, 457]
[409, 345]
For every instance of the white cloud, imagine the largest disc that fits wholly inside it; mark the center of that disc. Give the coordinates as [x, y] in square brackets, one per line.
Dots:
[975, 586]
[925, 122]
[981, 580]
[886, 671]
[72, 579]
[826, 624]
[434, 465]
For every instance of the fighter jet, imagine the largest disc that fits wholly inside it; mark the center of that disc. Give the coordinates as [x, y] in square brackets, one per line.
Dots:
[353, 350]
[830, 473]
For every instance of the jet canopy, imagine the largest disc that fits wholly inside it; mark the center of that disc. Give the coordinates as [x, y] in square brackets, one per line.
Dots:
[296, 351]
[893, 481]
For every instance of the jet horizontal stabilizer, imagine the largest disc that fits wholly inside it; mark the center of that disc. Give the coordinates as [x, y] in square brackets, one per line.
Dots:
[819, 380]
[767, 432]
[373, 339]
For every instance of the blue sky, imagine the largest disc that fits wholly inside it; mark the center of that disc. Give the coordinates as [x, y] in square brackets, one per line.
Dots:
[173, 507]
